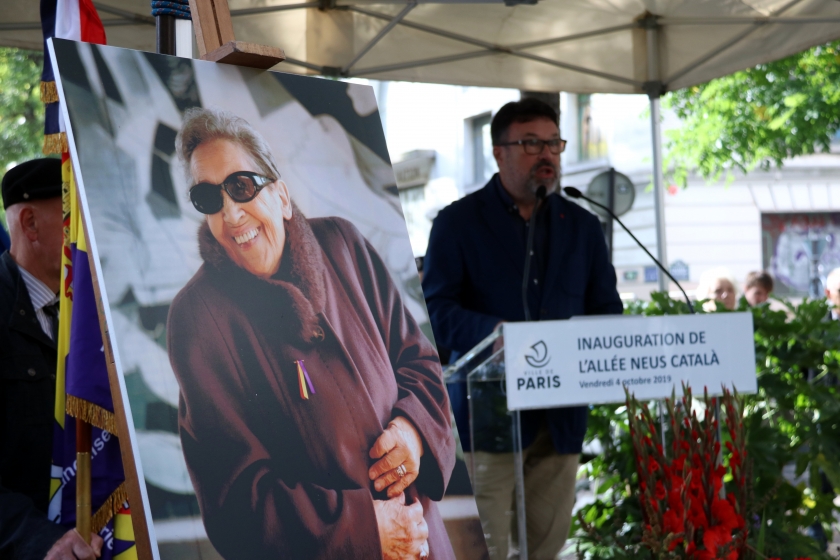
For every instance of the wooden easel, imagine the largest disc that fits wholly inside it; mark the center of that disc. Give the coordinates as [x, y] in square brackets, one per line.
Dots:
[216, 42]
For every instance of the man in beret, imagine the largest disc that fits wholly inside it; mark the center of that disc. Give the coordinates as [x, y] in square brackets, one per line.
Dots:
[30, 278]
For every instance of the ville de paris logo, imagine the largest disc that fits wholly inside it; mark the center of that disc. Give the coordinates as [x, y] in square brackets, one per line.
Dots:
[539, 358]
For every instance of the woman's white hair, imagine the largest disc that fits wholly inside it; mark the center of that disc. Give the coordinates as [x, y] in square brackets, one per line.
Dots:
[832, 281]
[204, 124]
[706, 287]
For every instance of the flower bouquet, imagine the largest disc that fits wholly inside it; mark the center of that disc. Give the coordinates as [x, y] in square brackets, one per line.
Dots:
[687, 511]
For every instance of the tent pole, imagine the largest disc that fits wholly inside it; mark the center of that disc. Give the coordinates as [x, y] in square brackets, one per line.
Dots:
[658, 189]
[174, 36]
[654, 88]
[165, 25]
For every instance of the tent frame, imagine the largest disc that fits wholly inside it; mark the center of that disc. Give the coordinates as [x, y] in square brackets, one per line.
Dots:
[655, 85]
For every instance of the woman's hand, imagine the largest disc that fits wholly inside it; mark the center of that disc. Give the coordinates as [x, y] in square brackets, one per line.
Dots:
[398, 449]
[403, 532]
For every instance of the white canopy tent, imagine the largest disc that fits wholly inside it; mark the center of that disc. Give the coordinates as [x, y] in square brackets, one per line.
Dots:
[606, 46]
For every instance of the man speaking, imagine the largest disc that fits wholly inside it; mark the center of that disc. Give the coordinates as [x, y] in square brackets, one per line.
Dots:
[474, 270]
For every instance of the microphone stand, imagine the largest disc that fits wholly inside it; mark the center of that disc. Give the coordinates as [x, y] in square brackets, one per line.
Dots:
[575, 193]
[572, 192]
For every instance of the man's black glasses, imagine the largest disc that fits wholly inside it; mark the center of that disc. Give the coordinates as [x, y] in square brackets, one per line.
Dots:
[534, 146]
[242, 186]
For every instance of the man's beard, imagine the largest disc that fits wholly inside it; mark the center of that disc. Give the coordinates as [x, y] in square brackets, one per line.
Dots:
[534, 182]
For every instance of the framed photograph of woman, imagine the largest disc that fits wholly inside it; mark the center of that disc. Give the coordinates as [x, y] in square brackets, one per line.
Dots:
[284, 396]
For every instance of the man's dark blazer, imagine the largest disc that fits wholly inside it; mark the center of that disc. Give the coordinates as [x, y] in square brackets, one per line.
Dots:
[473, 280]
[27, 395]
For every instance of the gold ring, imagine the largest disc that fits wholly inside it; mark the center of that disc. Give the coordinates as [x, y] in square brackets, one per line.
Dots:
[401, 471]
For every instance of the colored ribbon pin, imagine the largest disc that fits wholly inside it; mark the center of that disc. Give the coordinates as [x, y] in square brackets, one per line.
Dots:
[304, 380]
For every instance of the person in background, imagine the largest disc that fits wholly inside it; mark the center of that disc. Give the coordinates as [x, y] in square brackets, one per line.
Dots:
[717, 284]
[832, 292]
[30, 276]
[758, 287]
[473, 278]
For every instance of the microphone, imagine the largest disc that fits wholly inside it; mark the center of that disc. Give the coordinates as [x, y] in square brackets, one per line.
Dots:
[572, 192]
[529, 249]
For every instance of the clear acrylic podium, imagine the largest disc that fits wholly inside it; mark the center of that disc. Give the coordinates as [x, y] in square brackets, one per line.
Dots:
[493, 429]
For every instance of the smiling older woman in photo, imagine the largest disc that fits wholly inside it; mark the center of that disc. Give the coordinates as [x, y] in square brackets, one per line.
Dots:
[313, 415]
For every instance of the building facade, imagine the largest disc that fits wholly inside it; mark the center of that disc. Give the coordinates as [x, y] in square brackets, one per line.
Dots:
[781, 220]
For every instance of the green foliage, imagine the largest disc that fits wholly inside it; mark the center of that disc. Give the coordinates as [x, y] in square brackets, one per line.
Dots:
[757, 117]
[793, 420]
[21, 110]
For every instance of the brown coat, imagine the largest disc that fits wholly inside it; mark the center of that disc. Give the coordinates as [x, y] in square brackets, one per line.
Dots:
[278, 476]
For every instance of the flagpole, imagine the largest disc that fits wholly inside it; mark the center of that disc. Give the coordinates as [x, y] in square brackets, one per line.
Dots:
[83, 506]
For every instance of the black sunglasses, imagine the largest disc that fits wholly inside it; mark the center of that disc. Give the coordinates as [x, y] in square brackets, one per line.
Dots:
[242, 186]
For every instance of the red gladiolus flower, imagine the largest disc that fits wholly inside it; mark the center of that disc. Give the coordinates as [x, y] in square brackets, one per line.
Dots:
[725, 515]
[731, 499]
[659, 492]
[715, 537]
[671, 523]
[696, 515]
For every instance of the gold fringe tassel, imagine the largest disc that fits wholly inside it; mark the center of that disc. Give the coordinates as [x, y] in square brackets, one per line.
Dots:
[49, 93]
[55, 143]
[109, 509]
[91, 413]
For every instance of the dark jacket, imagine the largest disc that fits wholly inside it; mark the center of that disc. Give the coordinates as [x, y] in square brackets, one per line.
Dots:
[277, 475]
[473, 280]
[27, 395]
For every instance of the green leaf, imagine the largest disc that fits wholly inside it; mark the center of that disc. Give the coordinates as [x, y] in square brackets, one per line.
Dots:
[795, 100]
[831, 470]
[591, 515]
[781, 120]
[762, 532]
[608, 484]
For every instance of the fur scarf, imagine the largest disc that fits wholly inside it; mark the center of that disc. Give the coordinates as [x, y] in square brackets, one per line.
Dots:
[300, 276]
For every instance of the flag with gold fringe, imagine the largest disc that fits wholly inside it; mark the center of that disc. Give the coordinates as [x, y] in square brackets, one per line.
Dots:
[65, 19]
[83, 394]
[82, 387]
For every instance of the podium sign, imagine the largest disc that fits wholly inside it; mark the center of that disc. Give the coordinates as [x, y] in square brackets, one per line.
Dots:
[589, 360]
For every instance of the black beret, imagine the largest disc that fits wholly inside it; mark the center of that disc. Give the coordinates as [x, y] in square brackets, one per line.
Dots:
[32, 180]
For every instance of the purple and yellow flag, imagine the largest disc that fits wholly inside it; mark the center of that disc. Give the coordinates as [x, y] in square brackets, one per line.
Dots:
[83, 393]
